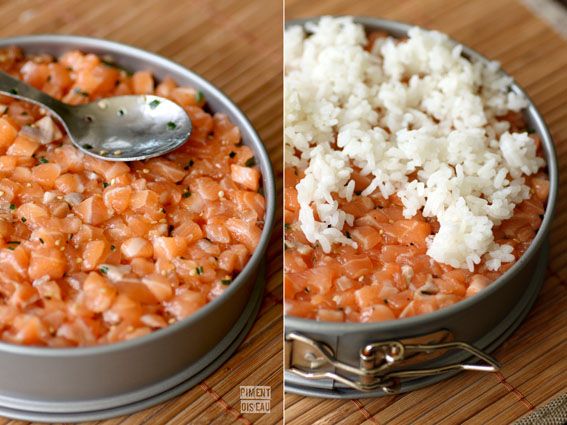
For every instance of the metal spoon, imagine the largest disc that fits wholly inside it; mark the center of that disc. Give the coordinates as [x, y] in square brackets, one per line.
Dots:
[121, 128]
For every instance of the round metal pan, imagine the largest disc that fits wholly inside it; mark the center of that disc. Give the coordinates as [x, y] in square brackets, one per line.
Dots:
[316, 352]
[69, 384]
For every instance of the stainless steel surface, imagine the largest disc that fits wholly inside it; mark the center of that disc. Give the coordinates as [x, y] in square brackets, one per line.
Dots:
[119, 128]
[101, 378]
[482, 321]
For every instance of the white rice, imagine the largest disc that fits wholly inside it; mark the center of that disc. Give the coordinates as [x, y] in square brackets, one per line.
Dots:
[406, 107]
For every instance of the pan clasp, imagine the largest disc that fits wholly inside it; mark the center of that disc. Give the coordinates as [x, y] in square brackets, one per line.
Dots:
[383, 365]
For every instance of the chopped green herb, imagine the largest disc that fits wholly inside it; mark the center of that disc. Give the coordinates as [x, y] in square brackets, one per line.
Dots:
[171, 125]
[24, 219]
[12, 207]
[232, 154]
[81, 92]
[250, 162]
[121, 112]
[226, 281]
[105, 184]
[87, 146]
[103, 269]
[41, 240]
[199, 96]
[287, 226]
[112, 248]
[154, 103]
[13, 242]
[189, 164]
[186, 194]
[530, 130]
[14, 91]
[199, 270]
[43, 160]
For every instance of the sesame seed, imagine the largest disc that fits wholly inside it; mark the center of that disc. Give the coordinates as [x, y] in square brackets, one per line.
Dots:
[163, 272]
[172, 320]
[102, 104]
[163, 220]
[112, 181]
[192, 272]
[153, 222]
[1, 193]
[103, 152]
[57, 242]
[60, 198]
[145, 171]
[62, 248]
[28, 184]
[118, 152]
[221, 194]
[79, 260]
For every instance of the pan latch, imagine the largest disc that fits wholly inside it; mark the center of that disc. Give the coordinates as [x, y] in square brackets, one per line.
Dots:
[384, 364]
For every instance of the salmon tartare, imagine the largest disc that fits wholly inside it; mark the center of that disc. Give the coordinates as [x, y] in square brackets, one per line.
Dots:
[95, 252]
[412, 181]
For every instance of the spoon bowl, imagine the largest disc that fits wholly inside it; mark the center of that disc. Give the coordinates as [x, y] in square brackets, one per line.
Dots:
[120, 128]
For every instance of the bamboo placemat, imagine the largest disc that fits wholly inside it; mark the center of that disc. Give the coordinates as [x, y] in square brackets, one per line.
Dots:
[534, 362]
[235, 44]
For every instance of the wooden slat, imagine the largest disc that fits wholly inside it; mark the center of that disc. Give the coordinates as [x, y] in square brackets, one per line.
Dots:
[237, 45]
[534, 364]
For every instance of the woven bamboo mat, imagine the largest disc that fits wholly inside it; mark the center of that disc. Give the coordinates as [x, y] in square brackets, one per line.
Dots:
[235, 44]
[534, 361]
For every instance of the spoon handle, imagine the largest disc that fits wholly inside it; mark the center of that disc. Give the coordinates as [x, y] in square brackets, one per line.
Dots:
[13, 87]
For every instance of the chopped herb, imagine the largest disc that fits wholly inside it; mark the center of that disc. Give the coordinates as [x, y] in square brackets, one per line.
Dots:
[171, 125]
[24, 219]
[232, 154]
[87, 146]
[121, 112]
[189, 164]
[43, 160]
[81, 92]
[199, 270]
[103, 270]
[154, 104]
[348, 235]
[14, 91]
[226, 281]
[186, 194]
[13, 242]
[105, 184]
[12, 207]
[287, 226]
[530, 130]
[250, 162]
[199, 96]
[112, 248]
[41, 240]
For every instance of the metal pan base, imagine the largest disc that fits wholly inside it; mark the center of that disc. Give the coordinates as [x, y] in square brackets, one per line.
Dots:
[488, 343]
[210, 363]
